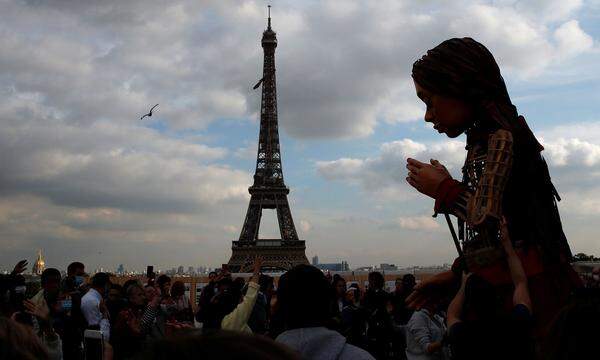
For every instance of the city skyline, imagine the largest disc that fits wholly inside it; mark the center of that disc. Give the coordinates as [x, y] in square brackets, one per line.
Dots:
[180, 269]
[84, 179]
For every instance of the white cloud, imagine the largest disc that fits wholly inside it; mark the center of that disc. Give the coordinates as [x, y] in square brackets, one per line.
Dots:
[319, 99]
[232, 229]
[572, 151]
[548, 10]
[575, 145]
[511, 36]
[305, 226]
[201, 58]
[582, 202]
[108, 236]
[248, 151]
[418, 223]
[572, 40]
[385, 173]
[343, 168]
[107, 164]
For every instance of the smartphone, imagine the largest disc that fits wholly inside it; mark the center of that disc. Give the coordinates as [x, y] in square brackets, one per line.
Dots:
[93, 344]
[150, 275]
[150, 272]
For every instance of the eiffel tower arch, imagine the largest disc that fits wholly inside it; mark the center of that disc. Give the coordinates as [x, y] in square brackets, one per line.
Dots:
[268, 190]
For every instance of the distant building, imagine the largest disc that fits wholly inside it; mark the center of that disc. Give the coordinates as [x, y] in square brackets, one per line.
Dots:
[364, 268]
[191, 270]
[388, 267]
[121, 269]
[180, 270]
[341, 266]
[39, 265]
[315, 260]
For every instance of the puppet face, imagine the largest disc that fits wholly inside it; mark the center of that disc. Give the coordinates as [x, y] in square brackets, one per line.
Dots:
[448, 115]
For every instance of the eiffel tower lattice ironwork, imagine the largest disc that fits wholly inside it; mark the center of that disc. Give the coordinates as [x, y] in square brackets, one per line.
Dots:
[269, 190]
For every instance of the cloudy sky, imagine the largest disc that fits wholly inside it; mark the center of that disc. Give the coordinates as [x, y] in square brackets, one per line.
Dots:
[84, 179]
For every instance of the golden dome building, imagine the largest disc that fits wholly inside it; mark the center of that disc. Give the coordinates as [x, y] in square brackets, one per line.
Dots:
[39, 265]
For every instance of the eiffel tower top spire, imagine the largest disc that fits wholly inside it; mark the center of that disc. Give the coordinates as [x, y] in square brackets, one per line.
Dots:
[269, 37]
[269, 171]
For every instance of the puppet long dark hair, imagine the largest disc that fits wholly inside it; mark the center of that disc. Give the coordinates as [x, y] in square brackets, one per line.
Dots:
[464, 69]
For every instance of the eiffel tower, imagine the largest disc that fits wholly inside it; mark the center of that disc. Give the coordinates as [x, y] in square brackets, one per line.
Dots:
[269, 190]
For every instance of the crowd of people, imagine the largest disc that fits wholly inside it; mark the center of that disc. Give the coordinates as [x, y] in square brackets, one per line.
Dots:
[309, 315]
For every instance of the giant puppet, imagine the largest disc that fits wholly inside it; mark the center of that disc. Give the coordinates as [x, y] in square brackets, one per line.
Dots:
[504, 174]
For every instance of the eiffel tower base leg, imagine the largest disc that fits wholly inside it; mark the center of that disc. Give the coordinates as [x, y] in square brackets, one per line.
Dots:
[276, 258]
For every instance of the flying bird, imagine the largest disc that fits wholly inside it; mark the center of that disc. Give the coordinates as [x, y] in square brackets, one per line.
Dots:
[258, 84]
[261, 81]
[150, 113]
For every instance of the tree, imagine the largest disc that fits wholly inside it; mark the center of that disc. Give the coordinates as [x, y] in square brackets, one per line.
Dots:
[584, 257]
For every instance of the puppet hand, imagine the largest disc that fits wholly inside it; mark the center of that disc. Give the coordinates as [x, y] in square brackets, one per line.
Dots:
[426, 178]
[435, 287]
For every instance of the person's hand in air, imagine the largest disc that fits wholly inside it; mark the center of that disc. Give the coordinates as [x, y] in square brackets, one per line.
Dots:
[20, 267]
[256, 266]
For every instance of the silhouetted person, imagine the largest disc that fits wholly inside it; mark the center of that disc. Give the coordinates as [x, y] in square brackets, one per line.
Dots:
[259, 319]
[304, 302]
[19, 342]
[138, 323]
[182, 306]
[93, 305]
[404, 286]
[574, 332]
[377, 304]
[74, 322]
[354, 319]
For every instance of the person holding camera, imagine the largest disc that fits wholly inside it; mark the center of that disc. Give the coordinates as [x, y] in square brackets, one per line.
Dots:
[139, 322]
[39, 312]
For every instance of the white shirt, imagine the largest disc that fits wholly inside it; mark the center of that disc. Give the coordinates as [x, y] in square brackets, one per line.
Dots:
[90, 308]
[422, 330]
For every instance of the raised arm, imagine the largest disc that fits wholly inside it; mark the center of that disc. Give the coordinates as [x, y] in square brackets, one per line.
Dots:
[238, 318]
[456, 306]
[517, 273]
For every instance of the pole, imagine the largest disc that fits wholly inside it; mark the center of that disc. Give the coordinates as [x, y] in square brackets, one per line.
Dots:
[456, 242]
